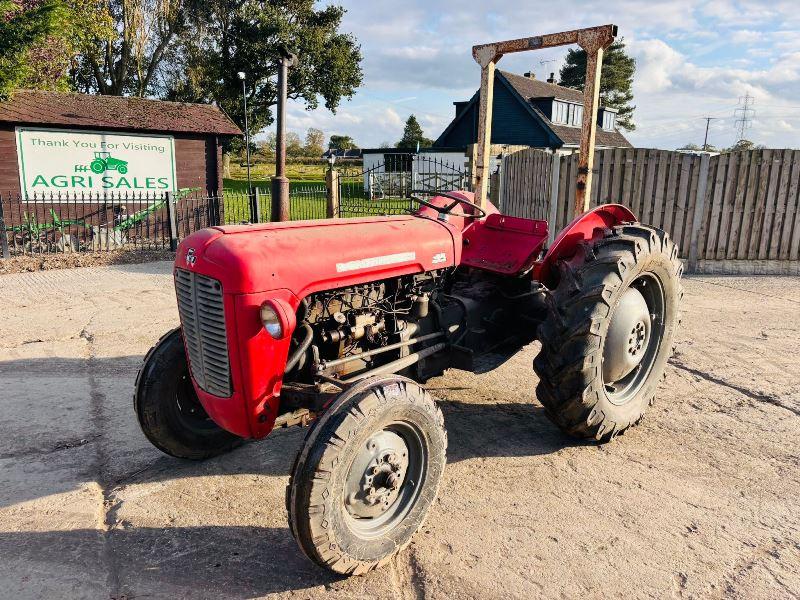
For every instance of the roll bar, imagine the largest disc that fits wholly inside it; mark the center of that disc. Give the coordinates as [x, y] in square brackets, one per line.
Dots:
[594, 40]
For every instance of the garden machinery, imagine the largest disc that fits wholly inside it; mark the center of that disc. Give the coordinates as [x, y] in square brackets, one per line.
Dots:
[338, 323]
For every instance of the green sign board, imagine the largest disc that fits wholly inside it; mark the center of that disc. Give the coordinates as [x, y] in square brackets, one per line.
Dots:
[94, 164]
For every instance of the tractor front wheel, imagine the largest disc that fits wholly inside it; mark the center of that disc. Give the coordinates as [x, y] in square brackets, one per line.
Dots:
[169, 412]
[609, 331]
[367, 474]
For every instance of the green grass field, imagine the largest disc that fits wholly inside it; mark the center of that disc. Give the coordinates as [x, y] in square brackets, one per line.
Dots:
[308, 200]
[294, 171]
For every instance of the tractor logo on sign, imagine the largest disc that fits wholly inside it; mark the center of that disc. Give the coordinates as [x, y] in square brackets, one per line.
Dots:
[102, 162]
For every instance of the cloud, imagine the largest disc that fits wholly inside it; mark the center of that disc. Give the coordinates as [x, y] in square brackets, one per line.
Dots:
[693, 59]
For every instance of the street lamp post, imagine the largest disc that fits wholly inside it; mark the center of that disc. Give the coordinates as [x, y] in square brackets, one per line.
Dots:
[280, 183]
[242, 75]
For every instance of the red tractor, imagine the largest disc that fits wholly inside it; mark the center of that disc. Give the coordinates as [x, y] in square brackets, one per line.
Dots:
[338, 324]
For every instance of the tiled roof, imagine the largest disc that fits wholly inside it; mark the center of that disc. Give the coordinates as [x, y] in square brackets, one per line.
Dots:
[114, 112]
[533, 88]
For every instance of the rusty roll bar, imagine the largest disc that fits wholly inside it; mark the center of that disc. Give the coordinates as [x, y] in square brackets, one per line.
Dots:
[594, 40]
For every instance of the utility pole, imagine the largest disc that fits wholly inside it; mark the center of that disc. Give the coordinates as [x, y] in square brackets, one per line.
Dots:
[744, 115]
[705, 140]
[280, 183]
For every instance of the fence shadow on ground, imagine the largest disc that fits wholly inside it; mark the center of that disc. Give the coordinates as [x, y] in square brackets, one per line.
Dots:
[484, 430]
[207, 560]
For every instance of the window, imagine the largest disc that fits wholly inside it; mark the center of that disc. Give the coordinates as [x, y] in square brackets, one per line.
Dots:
[567, 114]
[576, 117]
[559, 112]
[609, 119]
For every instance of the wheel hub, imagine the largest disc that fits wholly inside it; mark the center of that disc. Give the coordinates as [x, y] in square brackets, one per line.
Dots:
[628, 336]
[377, 475]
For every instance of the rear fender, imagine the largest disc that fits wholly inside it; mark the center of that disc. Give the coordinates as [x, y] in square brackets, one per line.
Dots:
[586, 227]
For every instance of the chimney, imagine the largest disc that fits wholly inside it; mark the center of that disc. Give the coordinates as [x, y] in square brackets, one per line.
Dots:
[552, 78]
[460, 106]
[529, 75]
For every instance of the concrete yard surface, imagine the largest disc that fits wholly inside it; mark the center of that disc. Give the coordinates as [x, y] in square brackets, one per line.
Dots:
[702, 499]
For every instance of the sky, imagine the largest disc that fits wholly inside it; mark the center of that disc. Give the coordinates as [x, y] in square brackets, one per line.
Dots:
[694, 60]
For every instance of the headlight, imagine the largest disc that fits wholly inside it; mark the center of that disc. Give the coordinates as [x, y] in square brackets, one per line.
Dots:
[271, 320]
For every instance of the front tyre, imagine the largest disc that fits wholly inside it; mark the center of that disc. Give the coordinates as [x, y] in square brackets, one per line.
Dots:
[367, 474]
[168, 409]
[609, 331]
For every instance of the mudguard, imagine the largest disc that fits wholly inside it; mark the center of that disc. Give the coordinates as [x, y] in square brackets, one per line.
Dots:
[586, 227]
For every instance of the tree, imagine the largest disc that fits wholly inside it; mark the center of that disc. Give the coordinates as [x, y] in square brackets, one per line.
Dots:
[693, 147]
[251, 36]
[130, 59]
[39, 40]
[616, 79]
[742, 146]
[22, 28]
[315, 142]
[341, 142]
[412, 135]
[294, 146]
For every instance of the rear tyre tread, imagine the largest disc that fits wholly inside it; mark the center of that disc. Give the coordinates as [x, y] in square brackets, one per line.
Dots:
[569, 364]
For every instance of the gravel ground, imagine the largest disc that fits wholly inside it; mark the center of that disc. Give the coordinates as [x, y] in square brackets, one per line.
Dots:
[700, 500]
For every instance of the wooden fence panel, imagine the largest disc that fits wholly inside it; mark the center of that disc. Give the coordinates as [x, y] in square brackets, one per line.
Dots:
[792, 209]
[734, 235]
[770, 237]
[526, 183]
[719, 169]
[750, 208]
[755, 201]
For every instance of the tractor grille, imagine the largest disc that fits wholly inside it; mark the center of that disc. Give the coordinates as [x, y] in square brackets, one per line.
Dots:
[203, 321]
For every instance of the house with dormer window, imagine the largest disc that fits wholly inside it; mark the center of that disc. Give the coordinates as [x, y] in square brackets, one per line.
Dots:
[530, 112]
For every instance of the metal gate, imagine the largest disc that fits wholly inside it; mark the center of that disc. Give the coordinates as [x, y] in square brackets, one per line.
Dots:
[391, 186]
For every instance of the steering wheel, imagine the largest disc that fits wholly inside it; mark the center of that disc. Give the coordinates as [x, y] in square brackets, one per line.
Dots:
[446, 210]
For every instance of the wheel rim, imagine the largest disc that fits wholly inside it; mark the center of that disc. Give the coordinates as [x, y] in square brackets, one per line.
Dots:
[633, 339]
[187, 410]
[384, 479]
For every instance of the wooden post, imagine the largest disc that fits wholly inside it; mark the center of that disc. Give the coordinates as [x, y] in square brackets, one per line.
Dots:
[501, 186]
[555, 172]
[472, 157]
[494, 188]
[173, 221]
[699, 209]
[332, 184]
[3, 234]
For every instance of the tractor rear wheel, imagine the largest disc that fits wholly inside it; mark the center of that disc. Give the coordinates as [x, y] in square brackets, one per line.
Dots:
[169, 412]
[609, 331]
[367, 474]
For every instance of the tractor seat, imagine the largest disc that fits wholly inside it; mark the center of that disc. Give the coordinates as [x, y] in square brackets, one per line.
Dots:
[503, 244]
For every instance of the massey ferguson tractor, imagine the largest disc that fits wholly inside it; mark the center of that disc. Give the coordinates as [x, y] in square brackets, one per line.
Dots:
[337, 324]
